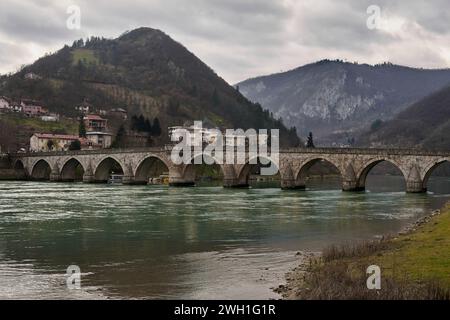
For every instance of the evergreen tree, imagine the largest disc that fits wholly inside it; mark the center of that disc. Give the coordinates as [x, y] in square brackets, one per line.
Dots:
[215, 98]
[156, 128]
[75, 145]
[310, 141]
[120, 138]
[82, 128]
[148, 126]
[141, 123]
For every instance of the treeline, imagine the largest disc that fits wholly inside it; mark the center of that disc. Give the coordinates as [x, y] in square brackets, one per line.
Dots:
[142, 124]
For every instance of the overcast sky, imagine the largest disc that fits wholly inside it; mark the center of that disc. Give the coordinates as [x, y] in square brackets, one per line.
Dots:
[241, 38]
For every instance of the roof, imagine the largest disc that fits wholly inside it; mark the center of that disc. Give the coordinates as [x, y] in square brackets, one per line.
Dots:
[94, 133]
[94, 117]
[31, 102]
[56, 136]
[6, 99]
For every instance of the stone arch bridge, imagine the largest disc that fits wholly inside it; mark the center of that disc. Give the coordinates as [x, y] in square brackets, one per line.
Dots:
[353, 165]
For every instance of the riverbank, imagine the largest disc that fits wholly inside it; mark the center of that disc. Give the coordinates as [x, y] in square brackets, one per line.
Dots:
[415, 264]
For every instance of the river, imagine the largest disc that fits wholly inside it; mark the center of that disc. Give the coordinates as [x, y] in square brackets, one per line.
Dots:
[204, 242]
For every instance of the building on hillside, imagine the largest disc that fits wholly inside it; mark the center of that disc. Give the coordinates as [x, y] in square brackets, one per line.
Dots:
[33, 108]
[119, 113]
[5, 104]
[46, 142]
[32, 76]
[95, 123]
[84, 108]
[210, 136]
[52, 117]
[103, 139]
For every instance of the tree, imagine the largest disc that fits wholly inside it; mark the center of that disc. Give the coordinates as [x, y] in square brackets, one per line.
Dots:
[376, 125]
[156, 128]
[120, 137]
[75, 145]
[141, 123]
[310, 141]
[215, 97]
[82, 128]
[148, 126]
[50, 145]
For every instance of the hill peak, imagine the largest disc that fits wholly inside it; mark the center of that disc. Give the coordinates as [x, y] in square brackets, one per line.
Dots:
[142, 32]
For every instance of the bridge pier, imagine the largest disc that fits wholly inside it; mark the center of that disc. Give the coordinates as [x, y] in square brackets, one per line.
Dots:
[415, 187]
[55, 175]
[177, 177]
[180, 182]
[352, 186]
[292, 184]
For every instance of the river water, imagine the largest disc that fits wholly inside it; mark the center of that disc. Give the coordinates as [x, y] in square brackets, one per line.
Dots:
[190, 243]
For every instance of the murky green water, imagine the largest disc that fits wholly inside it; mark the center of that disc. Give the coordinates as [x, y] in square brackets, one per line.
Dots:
[202, 242]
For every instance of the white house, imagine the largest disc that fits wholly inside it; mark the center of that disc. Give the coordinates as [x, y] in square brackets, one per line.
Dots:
[5, 104]
[103, 139]
[32, 76]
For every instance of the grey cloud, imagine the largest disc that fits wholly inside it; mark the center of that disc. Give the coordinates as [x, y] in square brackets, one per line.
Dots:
[239, 38]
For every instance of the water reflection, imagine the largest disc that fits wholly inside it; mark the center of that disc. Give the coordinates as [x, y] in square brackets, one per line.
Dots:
[203, 242]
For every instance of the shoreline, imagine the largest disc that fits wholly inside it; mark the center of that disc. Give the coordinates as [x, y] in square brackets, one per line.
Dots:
[312, 264]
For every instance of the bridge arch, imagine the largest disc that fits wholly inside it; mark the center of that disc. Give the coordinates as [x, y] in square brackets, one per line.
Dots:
[243, 175]
[190, 172]
[301, 176]
[41, 170]
[72, 170]
[429, 169]
[362, 174]
[150, 167]
[20, 170]
[105, 167]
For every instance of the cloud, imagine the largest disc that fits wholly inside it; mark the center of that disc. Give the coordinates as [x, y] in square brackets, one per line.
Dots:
[240, 38]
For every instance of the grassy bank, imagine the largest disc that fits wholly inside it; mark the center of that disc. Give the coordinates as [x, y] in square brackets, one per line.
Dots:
[414, 265]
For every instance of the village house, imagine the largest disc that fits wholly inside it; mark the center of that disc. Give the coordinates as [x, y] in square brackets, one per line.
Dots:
[5, 104]
[52, 117]
[84, 108]
[119, 113]
[95, 123]
[45, 142]
[33, 108]
[102, 139]
[32, 76]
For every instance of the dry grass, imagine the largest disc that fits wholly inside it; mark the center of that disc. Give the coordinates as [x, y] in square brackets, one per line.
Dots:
[415, 265]
[336, 281]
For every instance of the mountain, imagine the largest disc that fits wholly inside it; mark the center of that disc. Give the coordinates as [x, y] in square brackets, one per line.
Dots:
[336, 100]
[425, 124]
[146, 72]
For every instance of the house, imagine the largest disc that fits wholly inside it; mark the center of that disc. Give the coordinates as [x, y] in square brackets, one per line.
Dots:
[5, 104]
[32, 108]
[45, 142]
[95, 123]
[102, 139]
[53, 117]
[32, 76]
[84, 108]
[198, 135]
[119, 113]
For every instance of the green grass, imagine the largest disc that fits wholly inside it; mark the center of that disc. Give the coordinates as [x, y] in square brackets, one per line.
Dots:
[421, 255]
[64, 125]
[86, 56]
[415, 265]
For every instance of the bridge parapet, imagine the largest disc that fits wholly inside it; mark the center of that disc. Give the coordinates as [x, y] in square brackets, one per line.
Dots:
[353, 164]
